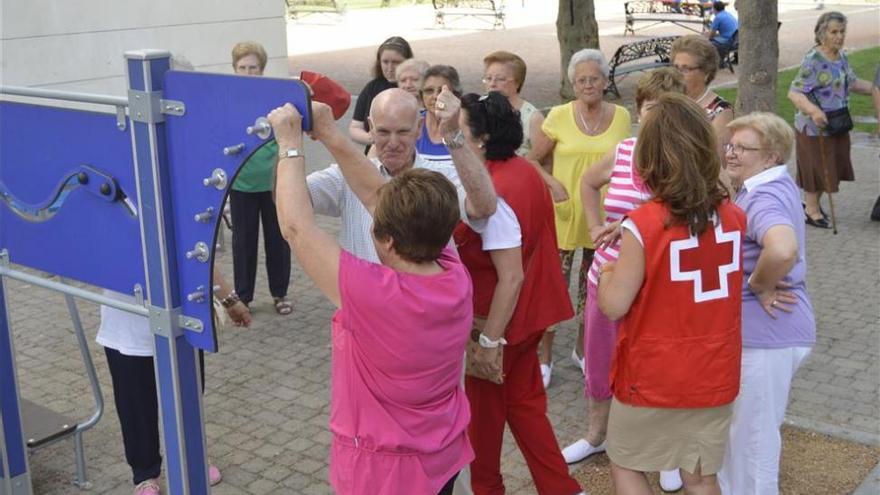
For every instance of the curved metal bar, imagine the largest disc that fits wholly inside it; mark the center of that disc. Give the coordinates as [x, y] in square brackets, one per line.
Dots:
[75, 179]
[82, 426]
[54, 94]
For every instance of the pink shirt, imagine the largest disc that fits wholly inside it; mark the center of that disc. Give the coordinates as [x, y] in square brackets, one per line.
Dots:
[398, 413]
[625, 193]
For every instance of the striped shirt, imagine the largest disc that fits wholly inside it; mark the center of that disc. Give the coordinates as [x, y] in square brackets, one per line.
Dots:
[625, 193]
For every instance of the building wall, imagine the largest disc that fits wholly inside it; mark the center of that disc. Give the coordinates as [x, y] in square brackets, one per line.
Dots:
[78, 45]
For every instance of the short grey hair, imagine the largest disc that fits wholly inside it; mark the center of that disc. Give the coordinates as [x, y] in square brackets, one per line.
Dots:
[587, 55]
[412, 64]
[824, 20]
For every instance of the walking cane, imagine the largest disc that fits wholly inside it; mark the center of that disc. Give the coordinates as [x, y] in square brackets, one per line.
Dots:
[824, 164]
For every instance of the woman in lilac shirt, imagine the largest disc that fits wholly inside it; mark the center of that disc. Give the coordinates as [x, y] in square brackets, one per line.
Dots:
[778, 328]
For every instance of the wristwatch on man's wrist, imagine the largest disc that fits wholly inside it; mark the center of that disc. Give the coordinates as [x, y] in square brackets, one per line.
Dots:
[455, 141]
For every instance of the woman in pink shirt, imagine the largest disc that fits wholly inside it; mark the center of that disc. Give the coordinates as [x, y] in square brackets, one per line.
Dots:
[398, 411]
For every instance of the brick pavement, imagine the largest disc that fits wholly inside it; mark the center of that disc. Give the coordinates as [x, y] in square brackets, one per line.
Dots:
[267, 395]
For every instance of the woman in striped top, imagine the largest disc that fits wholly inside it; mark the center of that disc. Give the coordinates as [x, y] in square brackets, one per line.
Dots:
[625, 193]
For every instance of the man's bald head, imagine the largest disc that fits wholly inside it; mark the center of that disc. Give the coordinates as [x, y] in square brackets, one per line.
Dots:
[395, 126]
[397, 101]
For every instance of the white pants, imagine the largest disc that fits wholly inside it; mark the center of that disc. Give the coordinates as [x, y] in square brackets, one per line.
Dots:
[751, 461]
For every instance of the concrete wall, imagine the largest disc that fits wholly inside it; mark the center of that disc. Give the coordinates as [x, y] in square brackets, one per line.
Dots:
[78, 45]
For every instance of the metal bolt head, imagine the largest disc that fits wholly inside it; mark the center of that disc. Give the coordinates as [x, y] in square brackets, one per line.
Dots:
[105, 189]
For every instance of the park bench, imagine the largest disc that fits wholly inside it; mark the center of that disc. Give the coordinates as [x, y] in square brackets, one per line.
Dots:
[488, 10]
[300, 8]
[638, 56]
[659, 11]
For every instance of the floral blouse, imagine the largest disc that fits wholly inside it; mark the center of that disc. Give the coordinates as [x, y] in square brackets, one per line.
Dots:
[828, 80]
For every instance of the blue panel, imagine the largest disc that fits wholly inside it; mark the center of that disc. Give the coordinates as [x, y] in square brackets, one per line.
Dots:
[87, 238]
[218, 110]
[9, 399]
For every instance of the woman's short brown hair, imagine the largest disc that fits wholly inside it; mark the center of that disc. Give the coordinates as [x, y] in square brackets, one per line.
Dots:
[774, 133]
[246, 48]
[677, 158]
[514, 61]
[701, 49]
[658, 82]
[418, 210]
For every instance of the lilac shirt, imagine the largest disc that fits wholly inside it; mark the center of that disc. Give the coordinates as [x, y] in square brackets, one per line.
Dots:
[771, 198]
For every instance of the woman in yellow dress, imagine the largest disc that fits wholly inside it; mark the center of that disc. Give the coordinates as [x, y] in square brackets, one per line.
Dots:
[577, 134]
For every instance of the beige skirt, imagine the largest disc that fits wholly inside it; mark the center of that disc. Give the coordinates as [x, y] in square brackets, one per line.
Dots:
[656, 439]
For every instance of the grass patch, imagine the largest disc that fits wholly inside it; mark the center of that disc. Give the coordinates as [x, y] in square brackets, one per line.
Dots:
[864, 62]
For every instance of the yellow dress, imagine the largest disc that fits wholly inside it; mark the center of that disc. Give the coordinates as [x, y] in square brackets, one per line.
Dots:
[574, 153]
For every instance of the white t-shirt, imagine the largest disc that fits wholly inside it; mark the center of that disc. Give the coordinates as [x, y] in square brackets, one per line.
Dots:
[499, 231]
[125, 332]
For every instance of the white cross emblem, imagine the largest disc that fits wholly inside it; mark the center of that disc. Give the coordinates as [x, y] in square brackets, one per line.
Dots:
[696, 275]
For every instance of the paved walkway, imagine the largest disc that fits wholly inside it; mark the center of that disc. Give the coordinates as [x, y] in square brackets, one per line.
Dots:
[267, 395]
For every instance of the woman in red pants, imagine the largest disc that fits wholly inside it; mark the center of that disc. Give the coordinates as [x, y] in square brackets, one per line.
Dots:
[513, 262]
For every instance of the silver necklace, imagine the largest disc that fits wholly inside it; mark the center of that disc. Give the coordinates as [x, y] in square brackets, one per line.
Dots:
[592, 130]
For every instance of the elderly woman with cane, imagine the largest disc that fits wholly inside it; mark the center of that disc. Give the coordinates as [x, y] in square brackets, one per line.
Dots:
[820, 92]
[778, 328]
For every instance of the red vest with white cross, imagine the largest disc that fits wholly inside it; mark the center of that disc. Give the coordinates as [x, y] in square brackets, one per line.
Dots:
[680, 344]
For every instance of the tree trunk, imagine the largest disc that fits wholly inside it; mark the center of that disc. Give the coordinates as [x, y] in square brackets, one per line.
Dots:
[576, 28]
[758, 56]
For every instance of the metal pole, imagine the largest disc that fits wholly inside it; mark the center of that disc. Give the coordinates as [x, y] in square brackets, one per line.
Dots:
[54, 94]
[80, 480]
[176, 365]
[15, 472]
[73, 291]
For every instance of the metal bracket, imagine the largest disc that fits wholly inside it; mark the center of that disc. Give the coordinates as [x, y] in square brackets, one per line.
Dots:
[173, 107]
[191, 324]
[145, 106]
[150, 108]
[165, 322]
[120, 117]
[4, 258]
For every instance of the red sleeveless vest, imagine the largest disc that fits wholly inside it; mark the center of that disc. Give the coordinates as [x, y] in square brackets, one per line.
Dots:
[543, 299]
[680, 344]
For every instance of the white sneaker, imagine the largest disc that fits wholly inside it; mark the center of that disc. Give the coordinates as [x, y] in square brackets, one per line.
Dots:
[546, 373]
[578, 360]
[670, 481]
[580, 450]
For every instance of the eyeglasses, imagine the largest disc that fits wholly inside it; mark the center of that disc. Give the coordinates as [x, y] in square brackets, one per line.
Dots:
[738, 149]
[498, 79]
[685, 69]
[588, 81]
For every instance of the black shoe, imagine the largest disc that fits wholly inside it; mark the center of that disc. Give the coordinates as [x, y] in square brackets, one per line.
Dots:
[822, 211]
[821, 223]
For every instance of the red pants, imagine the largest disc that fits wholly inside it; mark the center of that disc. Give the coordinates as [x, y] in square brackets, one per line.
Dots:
[521, 402]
